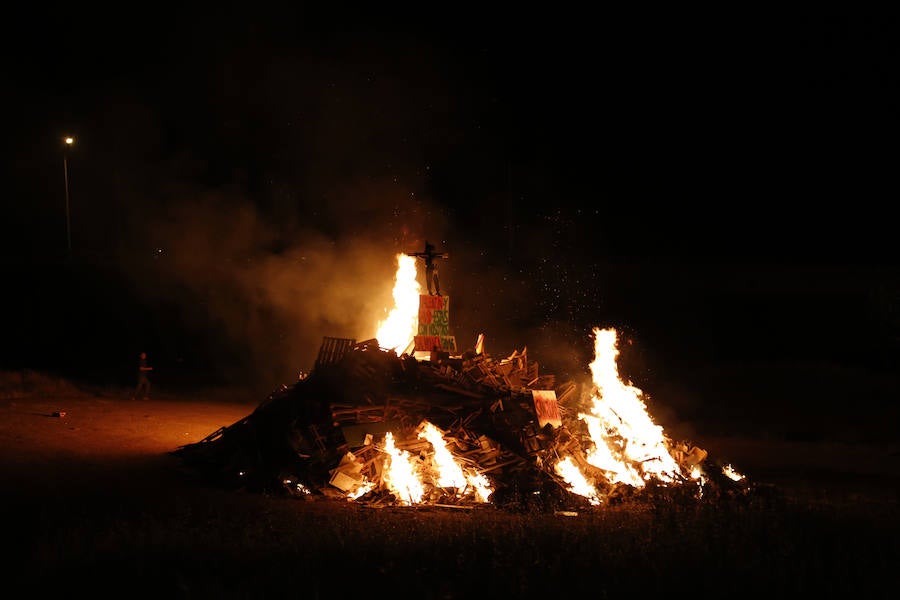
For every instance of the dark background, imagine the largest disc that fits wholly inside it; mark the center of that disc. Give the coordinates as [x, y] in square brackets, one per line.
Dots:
[242, 180]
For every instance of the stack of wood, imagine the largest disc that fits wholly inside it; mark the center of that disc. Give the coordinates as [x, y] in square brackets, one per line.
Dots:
[324, 433]
[515, 372]
[357, 392]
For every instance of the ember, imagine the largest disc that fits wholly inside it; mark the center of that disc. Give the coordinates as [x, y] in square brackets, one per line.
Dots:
[389, 426]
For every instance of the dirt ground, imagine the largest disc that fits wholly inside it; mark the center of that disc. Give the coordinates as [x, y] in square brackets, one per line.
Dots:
[50, 445]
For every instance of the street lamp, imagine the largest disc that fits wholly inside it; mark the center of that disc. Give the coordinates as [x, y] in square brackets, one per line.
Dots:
[68, 141]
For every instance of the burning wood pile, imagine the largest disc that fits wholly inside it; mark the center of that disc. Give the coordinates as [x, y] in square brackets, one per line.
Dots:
[374, 426]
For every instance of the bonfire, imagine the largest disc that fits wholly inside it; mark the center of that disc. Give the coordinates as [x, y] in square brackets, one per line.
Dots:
[402, 419]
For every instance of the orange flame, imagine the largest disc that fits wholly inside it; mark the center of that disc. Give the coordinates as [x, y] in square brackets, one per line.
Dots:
[410, 478]
[400, 473]
[450, 473]
[628, 447]
[398, 330]
[578, 483]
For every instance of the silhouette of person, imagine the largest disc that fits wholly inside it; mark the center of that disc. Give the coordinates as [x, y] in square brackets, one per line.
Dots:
[143, 378]
[431, 271]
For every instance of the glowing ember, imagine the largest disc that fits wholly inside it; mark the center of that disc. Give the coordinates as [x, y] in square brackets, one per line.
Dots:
[362, 490]
[399, 329]
[299, 488]
[729, 472]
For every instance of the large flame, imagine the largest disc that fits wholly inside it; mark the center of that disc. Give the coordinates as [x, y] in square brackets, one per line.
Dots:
[406, 476]
[410, 478]
[398, 330]
[400, 475]
[628, 447]
[625, 447]
[450, 473]
[624, 426]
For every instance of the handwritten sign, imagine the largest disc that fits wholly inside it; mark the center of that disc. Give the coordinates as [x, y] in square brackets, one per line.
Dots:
[434, 324]
[444, 343]
[434, 315]
[546, 407]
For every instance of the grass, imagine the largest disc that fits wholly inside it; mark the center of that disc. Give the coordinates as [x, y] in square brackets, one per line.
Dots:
[148, 528]
[181, 542]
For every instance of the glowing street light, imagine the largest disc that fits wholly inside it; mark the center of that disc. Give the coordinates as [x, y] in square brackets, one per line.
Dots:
[68, 141]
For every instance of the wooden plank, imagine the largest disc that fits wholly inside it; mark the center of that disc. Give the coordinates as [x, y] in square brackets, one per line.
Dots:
[333, 349]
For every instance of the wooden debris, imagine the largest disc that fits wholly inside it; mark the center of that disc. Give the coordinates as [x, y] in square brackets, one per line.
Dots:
[333, 350]
[327, 430]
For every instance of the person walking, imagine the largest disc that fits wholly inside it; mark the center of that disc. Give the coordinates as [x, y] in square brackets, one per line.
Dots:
[143, 378]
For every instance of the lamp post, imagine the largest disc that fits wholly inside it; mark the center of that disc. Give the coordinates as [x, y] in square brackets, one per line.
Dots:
[68, 141]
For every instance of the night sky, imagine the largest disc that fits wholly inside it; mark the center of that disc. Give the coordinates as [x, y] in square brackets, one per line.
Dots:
[721, 192]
